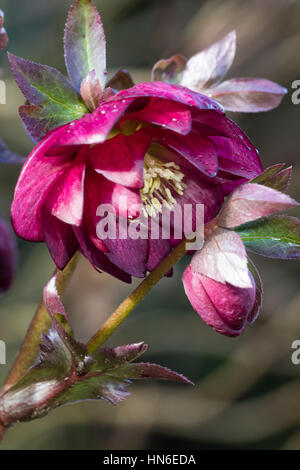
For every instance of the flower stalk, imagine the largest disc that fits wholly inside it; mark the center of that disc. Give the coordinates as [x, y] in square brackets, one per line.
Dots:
[126, 307]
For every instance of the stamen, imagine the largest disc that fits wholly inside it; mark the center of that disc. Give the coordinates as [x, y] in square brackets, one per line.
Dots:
[159, 180]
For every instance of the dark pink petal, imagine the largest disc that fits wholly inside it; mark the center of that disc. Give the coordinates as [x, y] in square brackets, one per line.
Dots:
[208, 67]
[8, 256]
[224, 259]
[129, 255]
[169, 70]
[232, 303]
[169, 114]
[202, 304]
[67, 193]
[84, 42]
[98, 190]
[60, 239]
[125, 201]
[199, 190]
[248, 95]
[231, 185]
[234, 158]
[94, 128]
[36, 178]
[169, 92]
[198, 151]
[92, 200]
[158, 251]
[232, 144]
[121, 159]
[91, 91]
[222, 124]
[97, 258]
[252, 201]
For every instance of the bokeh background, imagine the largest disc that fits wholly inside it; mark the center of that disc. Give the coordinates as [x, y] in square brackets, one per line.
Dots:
[247, 393]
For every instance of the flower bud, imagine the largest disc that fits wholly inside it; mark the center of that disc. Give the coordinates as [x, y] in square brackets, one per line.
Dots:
[224, 307]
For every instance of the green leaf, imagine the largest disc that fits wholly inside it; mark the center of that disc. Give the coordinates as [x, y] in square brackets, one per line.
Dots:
[53, 101]
[274, 237]
[84, 42]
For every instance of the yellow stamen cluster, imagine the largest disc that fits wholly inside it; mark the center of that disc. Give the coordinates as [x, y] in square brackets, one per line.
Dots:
[159, 179]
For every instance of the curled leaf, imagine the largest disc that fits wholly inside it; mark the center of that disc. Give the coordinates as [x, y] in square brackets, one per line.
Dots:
[169, 70]
[121, 81]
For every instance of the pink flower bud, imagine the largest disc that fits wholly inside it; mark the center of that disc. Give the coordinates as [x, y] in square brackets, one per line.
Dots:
[225, 307]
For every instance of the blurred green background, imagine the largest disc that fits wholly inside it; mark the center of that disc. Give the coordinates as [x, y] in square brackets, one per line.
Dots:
[247, 390]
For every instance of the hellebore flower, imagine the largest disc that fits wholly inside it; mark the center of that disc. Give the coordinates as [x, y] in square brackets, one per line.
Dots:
[156, 144]
[225, 307]
[7, 256]
[151, 133]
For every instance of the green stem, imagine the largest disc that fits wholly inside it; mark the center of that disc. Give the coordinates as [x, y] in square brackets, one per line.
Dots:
[135, 298]
[40, 324]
